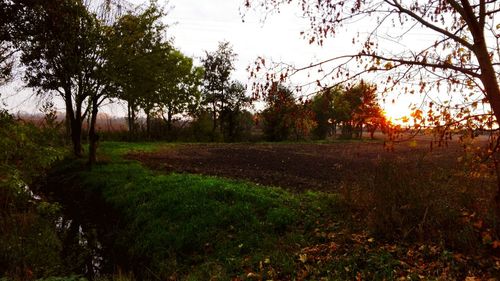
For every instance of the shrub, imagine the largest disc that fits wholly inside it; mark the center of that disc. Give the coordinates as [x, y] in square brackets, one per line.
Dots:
[29, 246]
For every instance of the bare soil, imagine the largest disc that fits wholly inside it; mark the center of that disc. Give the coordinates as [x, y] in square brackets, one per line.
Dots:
[298, 166]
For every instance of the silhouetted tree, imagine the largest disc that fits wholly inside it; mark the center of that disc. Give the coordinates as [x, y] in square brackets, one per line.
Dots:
[179, 82]
[59, 55]
[324, 114]
[234, 118]
[137, 47]
[277, 116]
[218, 66]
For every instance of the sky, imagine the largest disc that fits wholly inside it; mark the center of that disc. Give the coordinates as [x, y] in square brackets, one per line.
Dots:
[197, 26]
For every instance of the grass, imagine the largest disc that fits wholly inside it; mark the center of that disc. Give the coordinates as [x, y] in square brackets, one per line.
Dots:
[193, 227]
[200, 226]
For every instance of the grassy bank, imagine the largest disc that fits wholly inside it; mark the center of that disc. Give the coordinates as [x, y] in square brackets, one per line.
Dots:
[200, 227]
[193, 227]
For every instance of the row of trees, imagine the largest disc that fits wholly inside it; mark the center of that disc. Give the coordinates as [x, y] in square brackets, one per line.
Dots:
[88, 54]
[351, 109]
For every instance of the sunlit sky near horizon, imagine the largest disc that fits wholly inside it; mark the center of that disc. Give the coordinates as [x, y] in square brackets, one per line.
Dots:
[197, 26]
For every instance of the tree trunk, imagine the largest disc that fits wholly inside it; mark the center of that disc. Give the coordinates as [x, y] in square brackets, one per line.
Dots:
[372, 132]
[169, 120]
[214, 127]
[75, 123]
[131, 119]
[93, 136]
[76, 137]
[492, 91]
[148, 124]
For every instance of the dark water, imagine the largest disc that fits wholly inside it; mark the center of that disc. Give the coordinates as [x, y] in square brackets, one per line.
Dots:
[89, 228]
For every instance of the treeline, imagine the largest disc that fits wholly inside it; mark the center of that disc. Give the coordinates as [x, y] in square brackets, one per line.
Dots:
[92, 53]
[334, 112]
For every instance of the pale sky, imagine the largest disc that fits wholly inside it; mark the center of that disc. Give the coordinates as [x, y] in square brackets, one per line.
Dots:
[200, 25]
[197, 26]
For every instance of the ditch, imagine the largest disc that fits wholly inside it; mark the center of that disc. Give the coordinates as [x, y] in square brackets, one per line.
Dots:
[88, 228]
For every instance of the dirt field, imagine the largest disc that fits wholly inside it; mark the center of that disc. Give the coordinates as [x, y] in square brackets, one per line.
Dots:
[294, 166]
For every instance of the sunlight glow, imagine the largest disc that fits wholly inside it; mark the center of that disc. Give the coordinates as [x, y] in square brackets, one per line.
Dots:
[397, 114]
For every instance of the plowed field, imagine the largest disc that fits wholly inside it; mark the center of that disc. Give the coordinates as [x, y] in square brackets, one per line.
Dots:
[295, 166]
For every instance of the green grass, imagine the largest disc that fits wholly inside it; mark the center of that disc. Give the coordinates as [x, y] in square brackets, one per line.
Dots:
[194, 227]
[204, 226]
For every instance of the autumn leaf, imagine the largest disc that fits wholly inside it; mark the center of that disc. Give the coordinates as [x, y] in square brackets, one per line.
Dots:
[486, 238]
[495, 244]
[478, 224]
[303, 258]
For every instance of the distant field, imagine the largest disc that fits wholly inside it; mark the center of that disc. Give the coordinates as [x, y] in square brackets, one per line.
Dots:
[298, 166]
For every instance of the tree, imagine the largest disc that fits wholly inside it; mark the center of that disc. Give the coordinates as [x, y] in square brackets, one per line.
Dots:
[15, 19]
[324, 114]
[101, 85]
[218, 67]
[6, 50]
[368, 112]
[59, 55]
[277, 116]
[465, 55]
[354, 108]
[179, 82]
[137, 45]
[233, 115]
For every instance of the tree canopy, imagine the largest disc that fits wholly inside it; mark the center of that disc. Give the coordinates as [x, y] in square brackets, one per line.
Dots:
[464, 55]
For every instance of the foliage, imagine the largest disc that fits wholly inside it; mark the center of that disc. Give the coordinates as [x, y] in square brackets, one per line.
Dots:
[29, 245]
[276, 117]
[284, 118]
[179, 83]
[357, 106]
[224, 98]
[218, 66]
[324, 113]
[201, 128]
[136, 47]
[150, 73]
[236, 122]
[48, 45]
[463, 53]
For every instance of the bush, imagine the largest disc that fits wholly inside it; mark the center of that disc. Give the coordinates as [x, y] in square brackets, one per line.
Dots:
[201, 129]
[29, 245]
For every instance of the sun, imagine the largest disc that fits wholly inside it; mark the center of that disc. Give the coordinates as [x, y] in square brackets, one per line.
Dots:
[396, 113]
